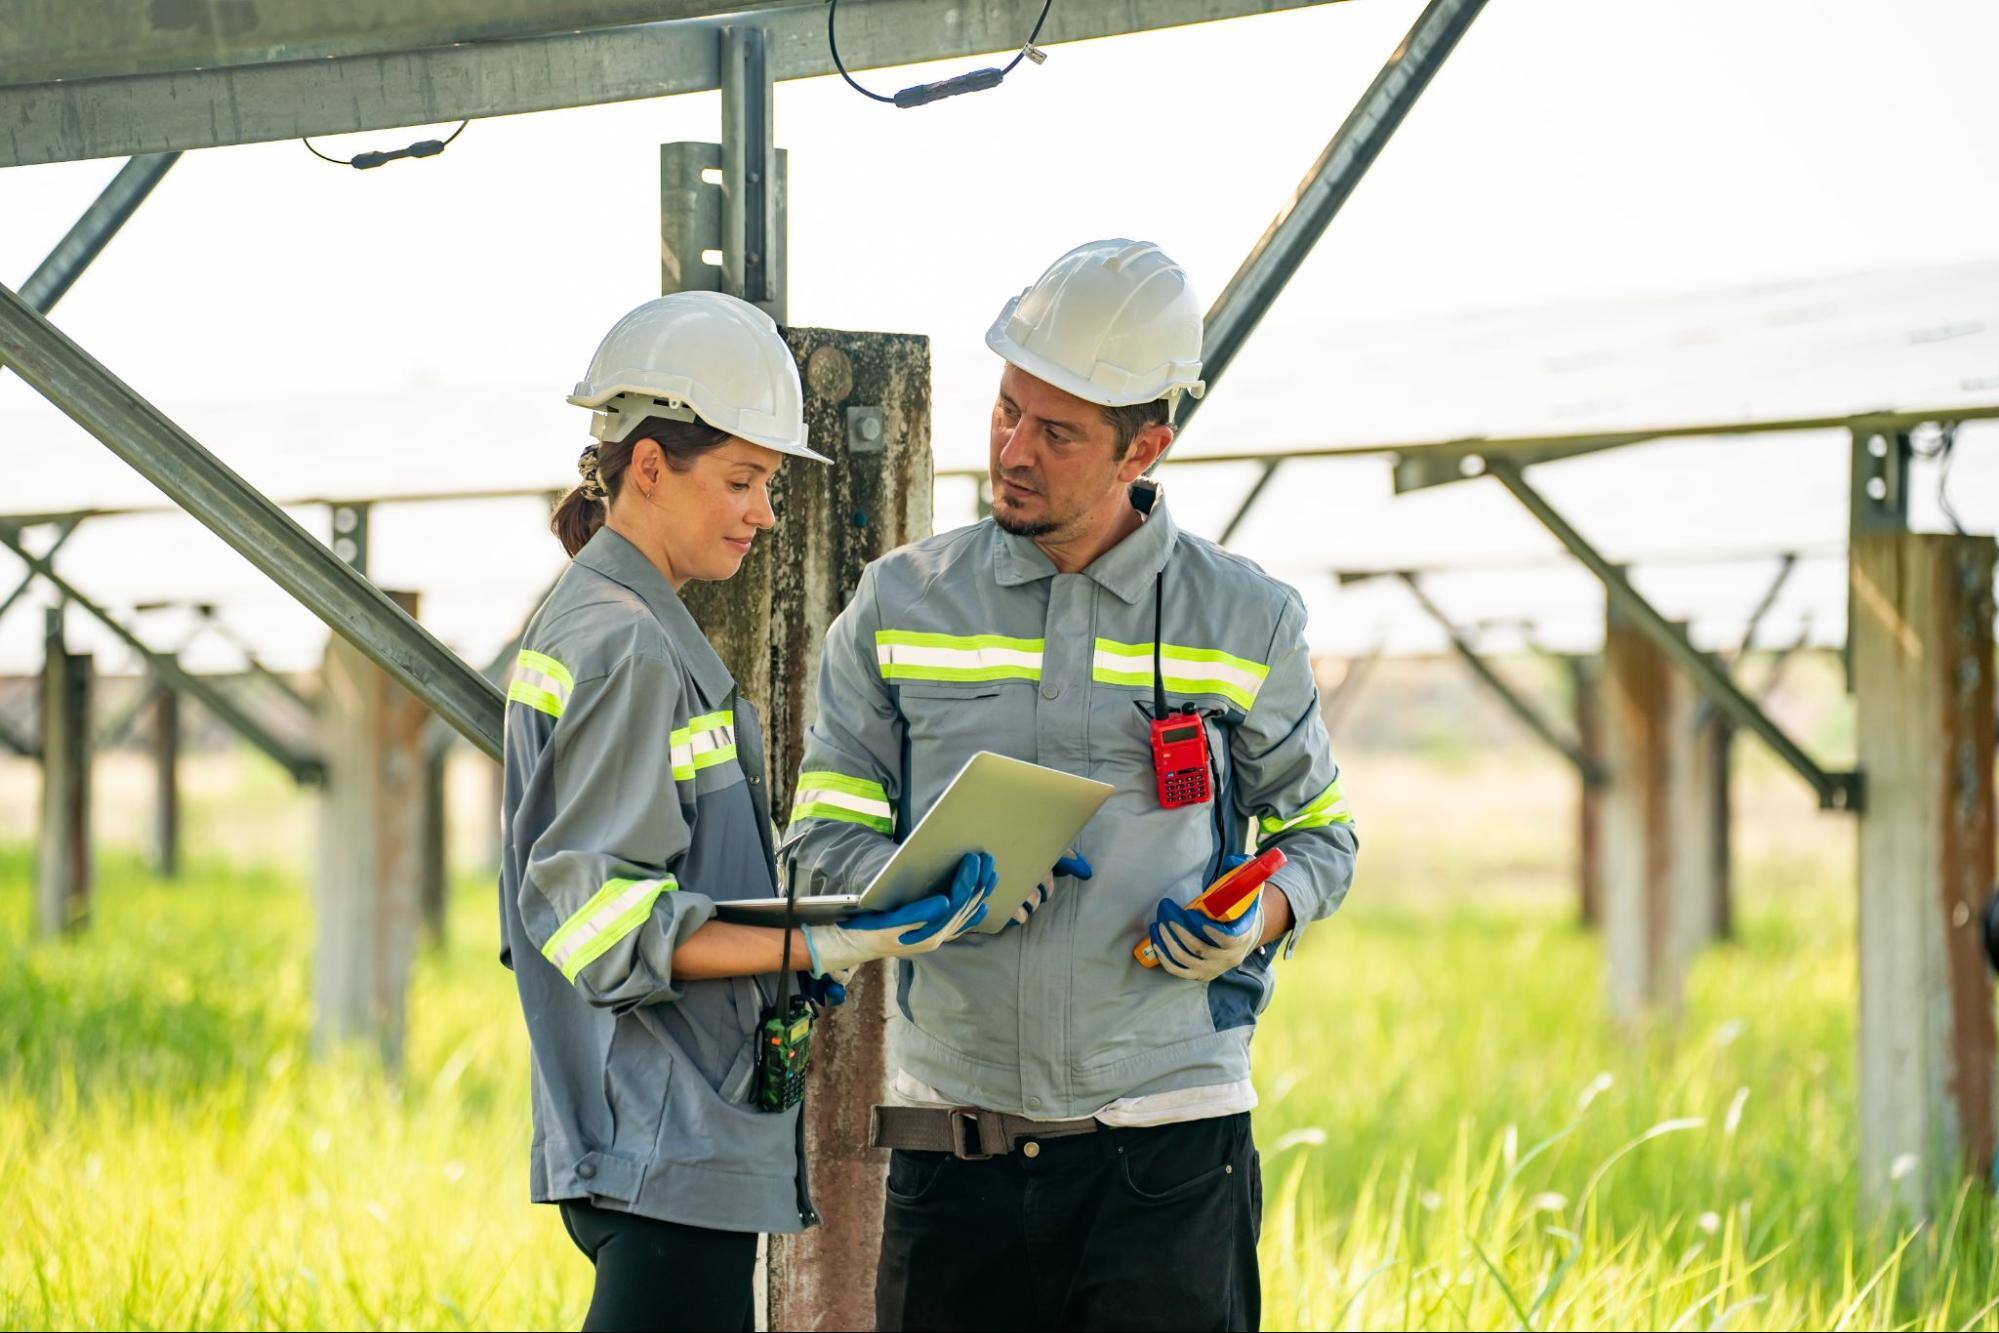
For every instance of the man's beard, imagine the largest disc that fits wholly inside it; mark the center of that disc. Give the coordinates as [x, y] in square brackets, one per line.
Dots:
[1022, 529]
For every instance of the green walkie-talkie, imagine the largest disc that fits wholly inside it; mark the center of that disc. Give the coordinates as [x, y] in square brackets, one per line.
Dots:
[784, 1036]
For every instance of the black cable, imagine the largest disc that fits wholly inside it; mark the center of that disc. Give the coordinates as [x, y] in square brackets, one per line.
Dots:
[1943, 453]
[376, 157]
[973, 81]
[1158, 670]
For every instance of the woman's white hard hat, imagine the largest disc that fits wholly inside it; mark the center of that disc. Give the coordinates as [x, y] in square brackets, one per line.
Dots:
[1114, 322]
[698, 355]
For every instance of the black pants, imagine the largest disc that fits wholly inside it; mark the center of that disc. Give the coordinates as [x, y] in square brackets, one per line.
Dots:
[662, 1275]
[1120, 1229]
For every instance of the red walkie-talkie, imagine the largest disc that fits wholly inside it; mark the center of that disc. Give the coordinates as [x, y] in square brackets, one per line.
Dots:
[1179, 740]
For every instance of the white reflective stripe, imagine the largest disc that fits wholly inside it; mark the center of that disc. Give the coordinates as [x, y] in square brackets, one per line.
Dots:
[617, 910]
[907, 654]
[689, 747]
[541, 680]
[1176, 665]
[860, 805]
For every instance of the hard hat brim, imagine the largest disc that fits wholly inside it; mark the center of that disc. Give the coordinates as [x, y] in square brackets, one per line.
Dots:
[1050, 372]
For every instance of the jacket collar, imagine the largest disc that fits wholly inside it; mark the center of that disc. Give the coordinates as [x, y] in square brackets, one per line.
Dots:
[614, 557]
[1127, 569]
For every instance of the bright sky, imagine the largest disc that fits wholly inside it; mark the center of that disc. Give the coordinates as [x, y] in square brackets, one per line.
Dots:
[327, 330]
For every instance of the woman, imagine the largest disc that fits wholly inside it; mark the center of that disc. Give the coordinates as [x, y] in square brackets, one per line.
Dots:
[634, 801]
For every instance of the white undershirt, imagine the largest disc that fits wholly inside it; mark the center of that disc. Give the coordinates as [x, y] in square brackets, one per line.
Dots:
[1154, 1108]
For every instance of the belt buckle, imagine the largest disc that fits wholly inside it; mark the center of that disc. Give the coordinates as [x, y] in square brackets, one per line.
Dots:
[964, 1132]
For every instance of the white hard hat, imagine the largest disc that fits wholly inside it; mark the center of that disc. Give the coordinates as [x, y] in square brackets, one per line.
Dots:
[1114, 322]
[698, 355]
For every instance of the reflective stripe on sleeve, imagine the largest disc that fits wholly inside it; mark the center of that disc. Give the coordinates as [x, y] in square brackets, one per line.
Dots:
[618, 909]
[914, 655]
[1187, 670]
[704, 742]
[540, 682]
[1329, 807]
[837, 796]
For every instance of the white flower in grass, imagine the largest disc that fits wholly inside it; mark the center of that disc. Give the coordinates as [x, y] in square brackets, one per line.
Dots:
[1709, 1222]
[1903, 1166]
[1548, 1202]
[1431, 1200]
[1597, 1087]
[1726, 1034]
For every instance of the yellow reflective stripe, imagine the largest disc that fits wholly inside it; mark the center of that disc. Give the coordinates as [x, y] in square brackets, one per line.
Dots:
[617, 909]
[823, 795]
[704, 742]
[1186, 670]
[1328, 807]
[918, 655]
[540, 682]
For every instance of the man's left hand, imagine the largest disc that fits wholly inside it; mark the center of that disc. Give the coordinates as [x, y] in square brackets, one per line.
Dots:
[1194, 945]
[1073, 865]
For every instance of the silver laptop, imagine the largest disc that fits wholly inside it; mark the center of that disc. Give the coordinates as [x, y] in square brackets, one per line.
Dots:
[1025, 815]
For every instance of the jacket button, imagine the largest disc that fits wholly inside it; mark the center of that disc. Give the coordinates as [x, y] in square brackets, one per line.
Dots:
[1051, 691]
[1030, 1149]
[586, 1170]
[1034, 1101]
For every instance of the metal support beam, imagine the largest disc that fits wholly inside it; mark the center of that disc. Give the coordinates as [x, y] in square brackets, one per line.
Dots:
[277, 680]
[1586, 686]
[94, 230]
[302, 767]
[1591, 773]
[238, 513]
[1256, 490]
[62, 863]
[1836, 791]
[753, 242]
[1352, 150]
[203, 108]
[28, 579]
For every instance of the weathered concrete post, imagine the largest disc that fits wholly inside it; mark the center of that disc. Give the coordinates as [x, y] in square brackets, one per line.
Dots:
[433, 896]
[1586, 688]
[1923, 673]
[163, 854]
[63, 869]
[867, 406]
[371, 838]
[1657, 896]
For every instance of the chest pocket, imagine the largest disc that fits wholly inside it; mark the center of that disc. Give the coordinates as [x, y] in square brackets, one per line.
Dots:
[946, 724]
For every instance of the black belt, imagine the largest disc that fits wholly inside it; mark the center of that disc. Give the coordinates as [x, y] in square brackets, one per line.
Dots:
[966, 1132]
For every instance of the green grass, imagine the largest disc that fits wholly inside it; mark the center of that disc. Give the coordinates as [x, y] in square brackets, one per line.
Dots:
[1452, 1136]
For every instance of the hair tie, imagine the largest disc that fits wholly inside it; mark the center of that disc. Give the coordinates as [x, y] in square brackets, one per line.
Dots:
[586, 467]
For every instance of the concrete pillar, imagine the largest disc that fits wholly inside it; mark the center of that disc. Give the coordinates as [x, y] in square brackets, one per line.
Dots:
[1586, 681]
[1657, 894]
[867, 406]
[371, 845]
[163, 855]
[1923, 672]
[63, 868]
[434, 895]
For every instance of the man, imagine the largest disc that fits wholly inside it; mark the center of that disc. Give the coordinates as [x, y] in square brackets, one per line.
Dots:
[1071, 1134]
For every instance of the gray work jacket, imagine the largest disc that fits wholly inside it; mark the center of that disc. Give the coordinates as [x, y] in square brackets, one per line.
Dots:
[635, 799]
[972, 641]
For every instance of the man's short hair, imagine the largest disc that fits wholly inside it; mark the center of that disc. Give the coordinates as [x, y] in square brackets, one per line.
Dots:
[1129, 421]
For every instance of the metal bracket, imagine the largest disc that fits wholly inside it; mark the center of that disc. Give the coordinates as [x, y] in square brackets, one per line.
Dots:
[350, 535]
[723, 225]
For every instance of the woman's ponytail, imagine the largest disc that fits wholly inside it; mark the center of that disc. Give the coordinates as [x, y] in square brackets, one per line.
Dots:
[576, 520]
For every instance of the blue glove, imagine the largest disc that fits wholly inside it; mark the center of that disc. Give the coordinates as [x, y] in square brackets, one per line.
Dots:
[1194, 945]
[1073, 865]
[914, 928]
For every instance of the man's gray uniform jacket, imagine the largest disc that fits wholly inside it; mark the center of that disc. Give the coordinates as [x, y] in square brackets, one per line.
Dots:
[627, 813]
[971, 641]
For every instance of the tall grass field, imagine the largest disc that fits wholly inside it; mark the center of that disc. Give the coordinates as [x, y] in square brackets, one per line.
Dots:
[1453, 1136]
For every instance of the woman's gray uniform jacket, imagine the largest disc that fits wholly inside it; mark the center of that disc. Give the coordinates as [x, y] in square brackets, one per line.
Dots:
[635, 798]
